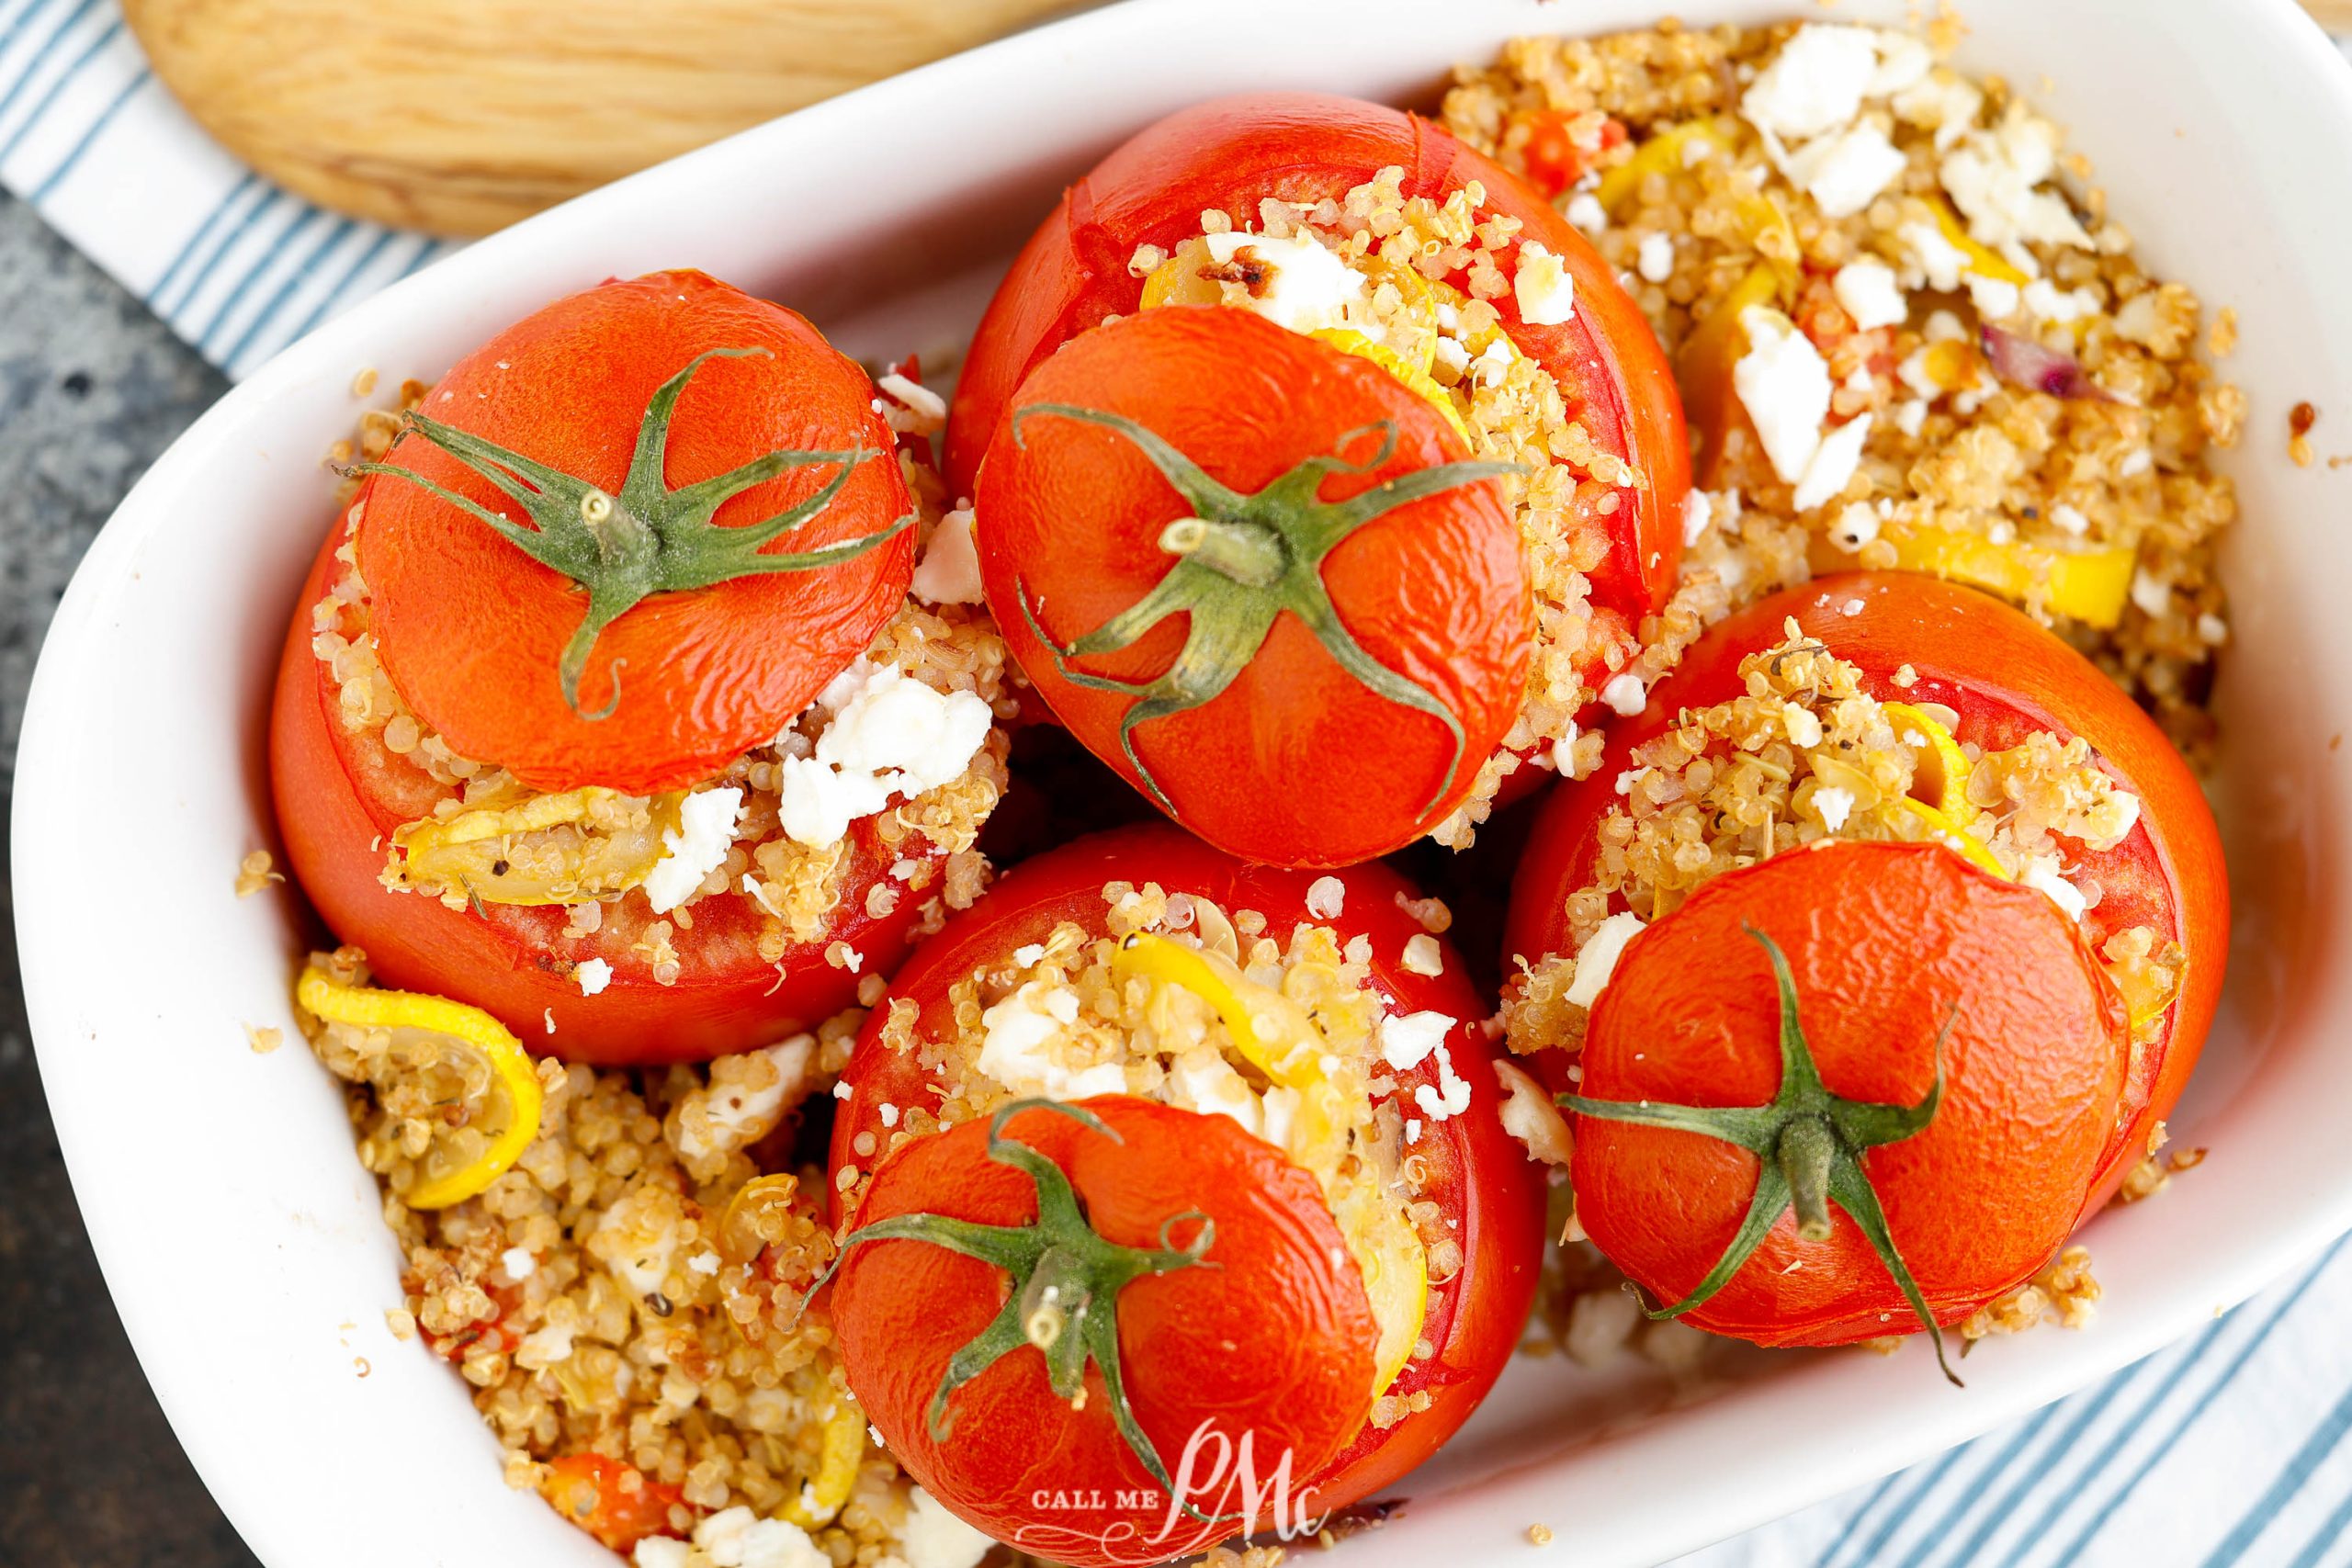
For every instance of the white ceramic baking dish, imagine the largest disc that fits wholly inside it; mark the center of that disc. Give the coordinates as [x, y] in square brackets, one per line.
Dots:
[239, 1236]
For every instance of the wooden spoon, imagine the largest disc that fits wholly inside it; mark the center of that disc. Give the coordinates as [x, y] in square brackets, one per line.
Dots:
[461, 115]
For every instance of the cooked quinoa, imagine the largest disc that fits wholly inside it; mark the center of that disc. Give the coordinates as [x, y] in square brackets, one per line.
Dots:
[1107, 1029]
[1831, 229]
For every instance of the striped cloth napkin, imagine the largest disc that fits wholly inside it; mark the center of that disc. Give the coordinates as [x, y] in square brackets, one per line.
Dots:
[2226, 1447]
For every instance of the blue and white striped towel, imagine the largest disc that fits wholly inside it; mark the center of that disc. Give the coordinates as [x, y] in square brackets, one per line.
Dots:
[2229, 1447]
[92, 139]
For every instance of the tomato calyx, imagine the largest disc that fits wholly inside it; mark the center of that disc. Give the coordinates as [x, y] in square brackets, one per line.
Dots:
[1808, 1144]
[1241, 560]
[647, 539]
[1066, 1281]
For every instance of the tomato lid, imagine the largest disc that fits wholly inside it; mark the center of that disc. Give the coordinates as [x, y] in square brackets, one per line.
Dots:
[633, 535]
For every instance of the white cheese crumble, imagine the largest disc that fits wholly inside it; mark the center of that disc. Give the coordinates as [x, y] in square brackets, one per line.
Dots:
[1941, 264]
[1867, 291]
[1020, 1027]
[693, 849]
[1698, 514]
[1407, 1039]
[1624, 693]
[1655, 257]
[2152, 595]
[730, 1115]
[1784, 383]
[737, 1538]
[934, 1537]
[1995, 178]
[1546, 293]
[1814, 83]
[2071, 519]
[1326, 897]
[1847, 172]
[949, 573]
[890, 736]
[518, 1263]
[1530, 1115]
[1423, 956]
[1307, 287]
[1587, 213]
[1857, 525]
[1834, 462]
[1449, 1097]
[593, 976]
[2041, 872]
[1911, 415]
[1833, 806]
[1597, 960]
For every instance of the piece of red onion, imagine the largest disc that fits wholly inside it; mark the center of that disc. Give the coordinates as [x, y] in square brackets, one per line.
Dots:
[2022, 362]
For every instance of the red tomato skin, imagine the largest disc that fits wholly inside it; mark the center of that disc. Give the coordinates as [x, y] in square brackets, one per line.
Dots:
[471, 629]
[1478, 1173]
[1288, 1365]
[1229, 153]
[516, 963]
[2007, 676]
[1911, 935]
[1273, 768]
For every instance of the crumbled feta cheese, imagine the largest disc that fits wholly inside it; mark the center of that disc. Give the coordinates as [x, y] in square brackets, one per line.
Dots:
[1407, 1039]
[1597, 960]
[1587, 213]
[737, 1538]
[2212, 630]
[1814, 83]
[1845, 173]
[1564, 750]
[1866, 289]
[934, 1537]
[1452, 356]
[1656, 257]
[2045, 301]
[890, 736]
[2135, 462]
[518, 1263]
[1943, 102]
[2152, 593]
[1013, 1049]
[1493, 367]
[1911, 415]
[1532, 1116]
[1698, 514]
[1412, 1129]
[1326, 897]
[915, 409]
[1857, 525]
[705, 1263]
[1449, 1097]
[1545, 291]
[1833, 806]
[544, 1347]
[1904, 62]
[2071, 519]
[1994, 177]
[593, 976]
[1784, 383]
[1996, 299]
[1834, 462]
[1204, 1081]
[949, 573]
[661, 1552]
[742, 1101]
[1308, 287]
[1624, 693]
[2041, 872]
[693, 849]
[1422, 955]
[1940, 263]
[1802, 726]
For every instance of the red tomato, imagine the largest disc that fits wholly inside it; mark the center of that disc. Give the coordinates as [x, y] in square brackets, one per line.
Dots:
[1072, 517]
[469, 622]
[1887, 943]
[2007, 677]
[1547, 153]
[614, 1501]
[1480, 1177]
[1229, 154]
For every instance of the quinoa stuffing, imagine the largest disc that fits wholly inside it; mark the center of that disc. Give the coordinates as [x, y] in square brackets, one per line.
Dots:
[1908, 329]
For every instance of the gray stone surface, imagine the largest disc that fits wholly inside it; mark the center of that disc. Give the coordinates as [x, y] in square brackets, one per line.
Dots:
[91, 389]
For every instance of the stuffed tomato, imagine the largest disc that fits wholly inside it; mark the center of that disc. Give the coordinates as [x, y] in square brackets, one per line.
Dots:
[1887, 862]
[1226, 1145]
[1294, 353]
[605, 707]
